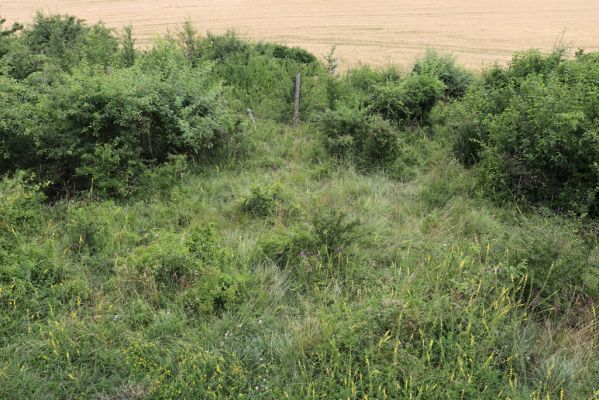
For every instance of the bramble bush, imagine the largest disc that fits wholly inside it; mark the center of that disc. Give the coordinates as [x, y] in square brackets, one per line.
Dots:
[82, 121]
[56, 41]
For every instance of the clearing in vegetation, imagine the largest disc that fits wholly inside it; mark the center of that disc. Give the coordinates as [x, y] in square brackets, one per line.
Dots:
[422, 234]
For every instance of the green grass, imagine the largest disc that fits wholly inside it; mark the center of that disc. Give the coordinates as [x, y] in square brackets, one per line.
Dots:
[426, 299]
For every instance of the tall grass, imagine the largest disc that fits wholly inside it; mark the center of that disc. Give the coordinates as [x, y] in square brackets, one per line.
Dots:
[309, 262]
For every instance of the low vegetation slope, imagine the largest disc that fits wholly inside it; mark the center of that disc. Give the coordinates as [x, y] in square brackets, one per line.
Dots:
[422, 234]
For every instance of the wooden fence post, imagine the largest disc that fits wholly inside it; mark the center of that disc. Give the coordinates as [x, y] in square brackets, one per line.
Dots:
[296, 108]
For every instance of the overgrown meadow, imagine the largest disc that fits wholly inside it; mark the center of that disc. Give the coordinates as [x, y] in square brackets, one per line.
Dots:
[423, 233]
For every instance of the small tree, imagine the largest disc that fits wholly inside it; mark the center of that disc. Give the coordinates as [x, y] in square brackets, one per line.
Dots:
[190, 42]
[128, 46]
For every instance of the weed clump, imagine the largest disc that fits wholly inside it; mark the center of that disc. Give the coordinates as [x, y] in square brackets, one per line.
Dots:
[265, 201]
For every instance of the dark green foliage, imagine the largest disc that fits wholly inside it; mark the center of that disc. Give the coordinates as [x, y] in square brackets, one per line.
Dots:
[553, 257]
[81, 125]
[369, 140]
[533, 126]
[380, 146]
[7, 36]
[455, 78]
[128, 52]
[359, 85]
[159, 180]
[222, 47]
[334, 231]
[408, 102]
[341, 129]
[192, 268]
[99, 130]
[68, 40]
[329, 234]
[293, 54]
[265, 201]
[288, 247]
[16, 119]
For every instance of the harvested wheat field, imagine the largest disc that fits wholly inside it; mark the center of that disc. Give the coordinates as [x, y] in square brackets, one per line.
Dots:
[478, 32]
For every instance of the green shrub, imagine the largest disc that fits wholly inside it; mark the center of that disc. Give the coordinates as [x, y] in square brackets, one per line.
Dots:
[408, 102]
[380, 146]
[455, 78]
[90, 227]
[221, 47]
[168, 261]
[532, 129]
[288, 247]
[341, 129]
[544, 147]
[17, 149]
[97, 129]
[265, 201]
[368, 140]
[68, 40]
[194, 269]
[334, 230]
[159, 180]
[551, 255]
[329, 234]
[294, 54]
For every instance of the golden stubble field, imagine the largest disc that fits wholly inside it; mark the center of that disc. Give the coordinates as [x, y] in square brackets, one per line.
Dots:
[478, 32]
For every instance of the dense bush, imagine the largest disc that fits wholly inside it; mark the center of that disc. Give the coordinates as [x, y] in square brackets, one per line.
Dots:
[58, 41]
[261, 75]
[265, 201]
[409, 101]
[455, 78]
[329, 234]
[81, 125]
[194, 269]
[99, 130]
[533, 129]
[68, 40]
[368, 140]
[72, 113]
